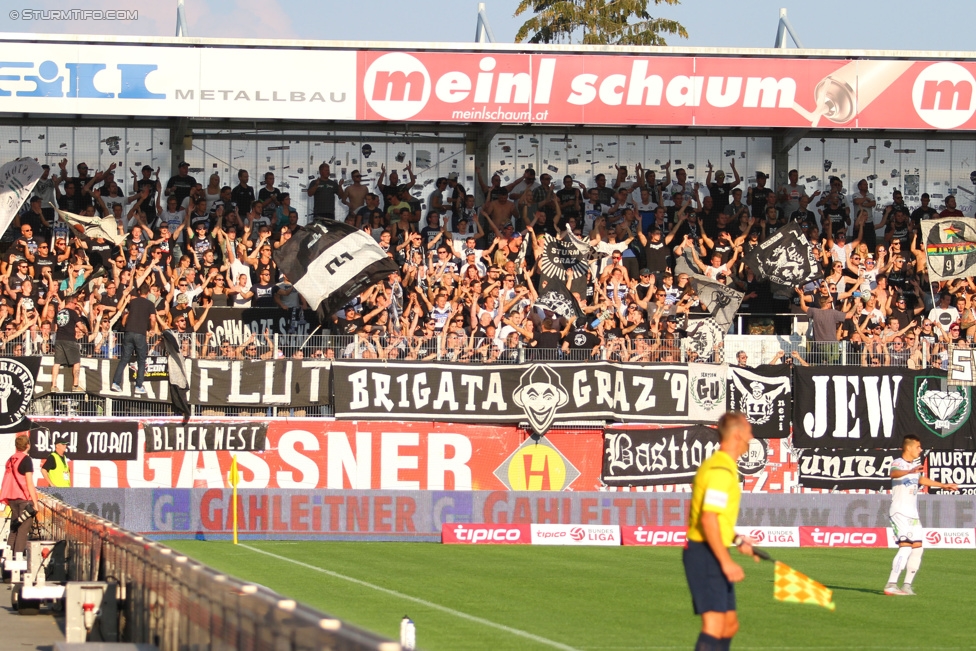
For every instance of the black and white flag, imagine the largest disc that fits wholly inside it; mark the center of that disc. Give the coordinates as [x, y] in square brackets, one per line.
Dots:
[950, 247]
[704, 335]
[786, 258]
[330, 263]
[556, 297]
[721, 301]
[560, 255]
[17, 179]
[175, 366]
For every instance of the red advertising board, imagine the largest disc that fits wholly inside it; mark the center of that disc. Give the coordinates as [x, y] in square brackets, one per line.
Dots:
[310, 453]
[653, 536]
[487, 534]
[665, 90]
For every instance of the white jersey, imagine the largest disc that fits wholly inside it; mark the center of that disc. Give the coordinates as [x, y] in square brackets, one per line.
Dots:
[904, 490]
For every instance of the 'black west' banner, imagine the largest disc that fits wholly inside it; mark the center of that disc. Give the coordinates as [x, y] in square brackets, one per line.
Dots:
[860, 407]
[110, 440]
[540, 394]
[222, 383]
[846, 469]
[764, 394]
[205, 437]
[656, 456]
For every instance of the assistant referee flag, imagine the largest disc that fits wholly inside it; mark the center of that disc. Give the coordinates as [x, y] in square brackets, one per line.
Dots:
[330, 263]
[796, 587]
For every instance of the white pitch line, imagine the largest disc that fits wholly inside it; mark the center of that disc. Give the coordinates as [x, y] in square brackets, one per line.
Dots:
[421, 602]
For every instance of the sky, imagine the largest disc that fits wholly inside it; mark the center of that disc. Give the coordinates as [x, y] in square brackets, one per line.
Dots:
[826, 24]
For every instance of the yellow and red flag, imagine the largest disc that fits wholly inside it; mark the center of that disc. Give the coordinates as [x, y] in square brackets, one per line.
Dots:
[796, 587]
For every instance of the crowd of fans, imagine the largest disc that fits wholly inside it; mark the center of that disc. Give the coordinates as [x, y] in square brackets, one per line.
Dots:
[471, 264]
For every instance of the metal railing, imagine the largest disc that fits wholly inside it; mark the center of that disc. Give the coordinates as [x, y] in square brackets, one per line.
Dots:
[176, 603]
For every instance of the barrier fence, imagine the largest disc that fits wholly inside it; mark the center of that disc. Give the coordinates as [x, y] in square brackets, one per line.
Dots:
[176, 603]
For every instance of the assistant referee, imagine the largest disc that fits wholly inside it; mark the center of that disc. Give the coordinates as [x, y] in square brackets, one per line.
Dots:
[710, 570]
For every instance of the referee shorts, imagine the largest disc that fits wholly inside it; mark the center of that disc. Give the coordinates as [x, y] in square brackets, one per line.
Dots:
[710, 590]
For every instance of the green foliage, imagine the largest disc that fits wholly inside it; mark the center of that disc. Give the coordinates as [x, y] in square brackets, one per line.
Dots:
[602, 22]
[605, 598]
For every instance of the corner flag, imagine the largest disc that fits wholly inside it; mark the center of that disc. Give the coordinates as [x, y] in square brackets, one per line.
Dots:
[795, 587]
[235, 477]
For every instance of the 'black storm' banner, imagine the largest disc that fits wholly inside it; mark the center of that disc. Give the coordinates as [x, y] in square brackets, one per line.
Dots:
[860, 407]
[764, 394]
[108, 440]
[657, 456]
[539, 394]
[846, 469]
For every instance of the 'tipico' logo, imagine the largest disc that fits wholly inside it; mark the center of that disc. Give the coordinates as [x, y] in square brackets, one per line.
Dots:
[944, 409]
[943, 95]
[540, 394]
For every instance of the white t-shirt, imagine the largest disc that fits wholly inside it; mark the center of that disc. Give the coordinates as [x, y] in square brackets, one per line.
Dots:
[904, 490]
[944, 317]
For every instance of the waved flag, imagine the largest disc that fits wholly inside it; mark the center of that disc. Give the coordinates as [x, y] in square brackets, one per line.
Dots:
[785, 258]
[950, 247]
[795, 587]
[330, 263]
[17, 179]
[104, 227]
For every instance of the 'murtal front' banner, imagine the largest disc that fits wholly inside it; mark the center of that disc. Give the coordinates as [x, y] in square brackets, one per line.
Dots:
[535, 393]
[861, 407]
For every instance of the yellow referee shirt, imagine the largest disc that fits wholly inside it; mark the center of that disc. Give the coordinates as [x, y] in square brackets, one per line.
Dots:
[716, 489]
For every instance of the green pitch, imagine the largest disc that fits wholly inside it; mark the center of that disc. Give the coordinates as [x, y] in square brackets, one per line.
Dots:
[621, 598]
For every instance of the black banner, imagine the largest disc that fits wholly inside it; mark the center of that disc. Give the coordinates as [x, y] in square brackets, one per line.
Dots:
[785, 258]
[213, 382]
[859, 407]
[846, 469]
[156, 366]
[109, 440]
[539, 394]
[764, 394]
[657, 456]
[953, 467]
[560, 255]
[17, 379]
[234, 325]
[205, 437]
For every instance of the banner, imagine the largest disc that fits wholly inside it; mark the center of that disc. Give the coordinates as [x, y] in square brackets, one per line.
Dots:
[576, 535]
[721, 301]
[17, 390]
[94, 227]
[859, 407]
[950, 247]
[225, 383]
[846, 469]
[203, 436]
[846, 537]
[952, 467]
[539, 394]
[785, 258]
[704, 336]
[561, 255]
[331, 262]
[109, 440]
[17, 179]
[649, 457]
[962, 366]
[707, 387]
[556, 297]
[764, 394]
[234, 325]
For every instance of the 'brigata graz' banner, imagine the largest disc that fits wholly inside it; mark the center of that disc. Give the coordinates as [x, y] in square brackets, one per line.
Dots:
[534, 393]
[846, 469]
[227, 383]
[860, 407]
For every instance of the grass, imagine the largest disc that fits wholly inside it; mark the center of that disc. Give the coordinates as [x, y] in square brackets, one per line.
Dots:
[622, 598]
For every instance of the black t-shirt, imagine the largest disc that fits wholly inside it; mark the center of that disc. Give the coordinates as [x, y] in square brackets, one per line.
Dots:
[656, 256]
[243, 197]
[582, 340]
[759, 201]
[68, 321]
[546, 340]
[263, 295]
[324, 198]
[720, 195]
[26, 465]
[139, 310]
[148, 205]
[350, 326]
[181, 186]
[99, 253]
[264, 194]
